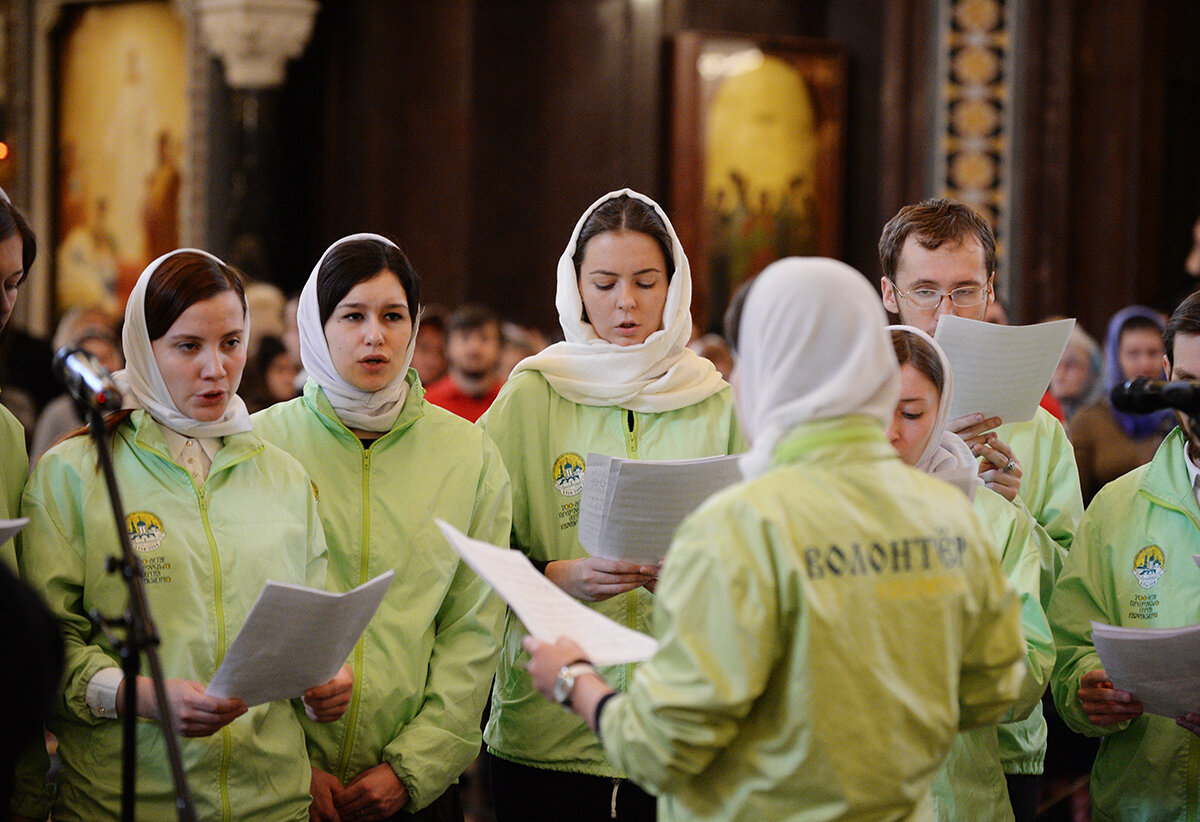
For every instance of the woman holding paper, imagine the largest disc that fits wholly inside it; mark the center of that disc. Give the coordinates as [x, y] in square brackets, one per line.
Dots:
[814, 660]
[971, 783]
[622, 384]
[386, 463]
[213, 513]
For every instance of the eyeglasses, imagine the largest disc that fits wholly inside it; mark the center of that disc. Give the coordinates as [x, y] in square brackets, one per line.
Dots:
[930, 298]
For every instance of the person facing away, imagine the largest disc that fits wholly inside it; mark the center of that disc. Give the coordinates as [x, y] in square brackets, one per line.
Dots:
[473, 348]
[826, 626]
[213, 513]
[622, 384]
[1108, 442]
[386, 463]
[1132, 566]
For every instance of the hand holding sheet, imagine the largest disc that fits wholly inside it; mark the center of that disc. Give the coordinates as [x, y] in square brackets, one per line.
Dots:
[1159, 666]
[631, 508]
[294, 638]
[1001, 370]
[547, 611]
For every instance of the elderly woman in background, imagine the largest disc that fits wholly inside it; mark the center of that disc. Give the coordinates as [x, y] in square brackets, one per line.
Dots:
[1108, 442]
[1076, 383]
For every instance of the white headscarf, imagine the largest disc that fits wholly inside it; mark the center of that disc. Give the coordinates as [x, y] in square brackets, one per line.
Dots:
[657, 375]
[142, 384]
[945, 455]
[812, 345]
[364, 410]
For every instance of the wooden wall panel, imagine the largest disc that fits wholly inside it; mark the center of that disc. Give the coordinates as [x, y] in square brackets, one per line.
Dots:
[376, 132]
[477, 131]
[1094, 119]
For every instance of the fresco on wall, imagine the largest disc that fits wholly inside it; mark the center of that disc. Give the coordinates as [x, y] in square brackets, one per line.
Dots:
[757, 147]
[122, 113]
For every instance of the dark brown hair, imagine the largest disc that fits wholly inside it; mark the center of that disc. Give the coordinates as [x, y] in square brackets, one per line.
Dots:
[935, 223]
[356, 261]
[181, 281]
[471, 316]
[1184, 320]
[625, 213]
[917, 352]
[13, 222]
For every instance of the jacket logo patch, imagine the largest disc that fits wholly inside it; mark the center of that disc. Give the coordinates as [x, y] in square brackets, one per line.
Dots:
[145, 531]
[1149, 565]
[568, 474]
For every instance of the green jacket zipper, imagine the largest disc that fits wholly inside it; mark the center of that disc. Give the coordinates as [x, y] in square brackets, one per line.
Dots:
[364, 561]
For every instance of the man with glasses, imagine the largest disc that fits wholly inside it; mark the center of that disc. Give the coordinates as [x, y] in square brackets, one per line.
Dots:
[939, 257]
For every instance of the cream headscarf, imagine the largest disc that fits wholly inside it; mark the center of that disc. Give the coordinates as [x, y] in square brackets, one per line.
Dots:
[812, 345]
[142, 384]
[945, 455]
[364, 410]
[657, 375]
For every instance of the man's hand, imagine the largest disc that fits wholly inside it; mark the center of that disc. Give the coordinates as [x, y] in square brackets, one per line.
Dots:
[999, 468]
[1103, 704]
[972, 425]
[593, 579]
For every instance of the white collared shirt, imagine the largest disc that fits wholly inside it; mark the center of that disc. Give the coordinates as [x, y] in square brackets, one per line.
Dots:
[195, 454]
[1193, 471]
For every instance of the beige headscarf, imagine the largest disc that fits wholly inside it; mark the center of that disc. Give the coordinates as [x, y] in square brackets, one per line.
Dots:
[142, 384]
[813, 345]
[657, 375]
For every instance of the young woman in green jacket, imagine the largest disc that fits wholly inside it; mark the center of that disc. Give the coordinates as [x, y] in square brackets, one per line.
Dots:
[971, 783]
[213, 513]
[622, 384]
[386, 463]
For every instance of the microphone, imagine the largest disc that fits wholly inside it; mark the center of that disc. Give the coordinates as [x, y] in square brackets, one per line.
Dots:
[1144, 395]
[86, 380]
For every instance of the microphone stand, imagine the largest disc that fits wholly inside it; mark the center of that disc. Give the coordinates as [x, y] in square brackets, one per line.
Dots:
[140, 637]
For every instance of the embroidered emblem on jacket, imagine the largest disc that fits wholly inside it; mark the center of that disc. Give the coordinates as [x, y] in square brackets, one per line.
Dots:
[568, 474]
[145, 531]
[1149, 565]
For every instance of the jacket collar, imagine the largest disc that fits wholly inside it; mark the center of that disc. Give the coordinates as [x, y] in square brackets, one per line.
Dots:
[236, 448]
[413, 410]
[828, 441]
[1167, 479]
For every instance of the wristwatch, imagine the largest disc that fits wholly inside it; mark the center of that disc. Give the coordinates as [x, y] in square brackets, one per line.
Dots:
[565, 681]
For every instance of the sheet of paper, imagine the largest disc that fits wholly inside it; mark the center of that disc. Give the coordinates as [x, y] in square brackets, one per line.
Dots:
[1159, 666]
[547, 611]
[1001, 370]
[592, 504]
[294, 638]
[9, 528]
[632, 508]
